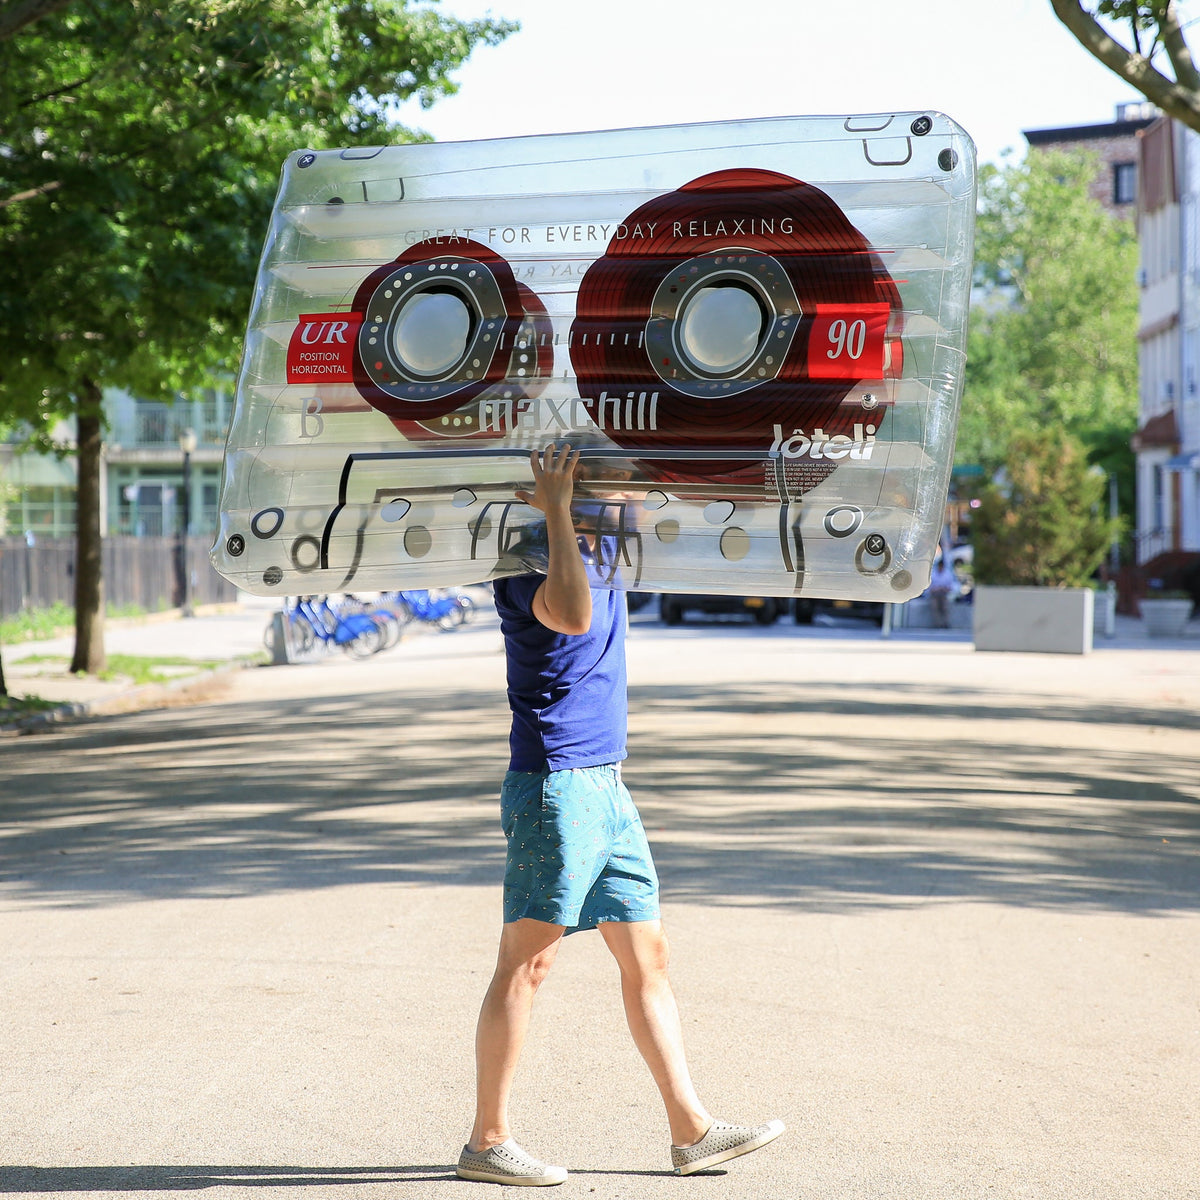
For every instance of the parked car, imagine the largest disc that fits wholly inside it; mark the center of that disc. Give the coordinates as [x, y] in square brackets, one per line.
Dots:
[763, 609]
[807, 608]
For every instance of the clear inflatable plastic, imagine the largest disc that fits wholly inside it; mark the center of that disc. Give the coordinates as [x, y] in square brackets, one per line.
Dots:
[753, 331]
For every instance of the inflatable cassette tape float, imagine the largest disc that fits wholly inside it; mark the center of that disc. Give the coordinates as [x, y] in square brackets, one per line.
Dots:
[764, 397]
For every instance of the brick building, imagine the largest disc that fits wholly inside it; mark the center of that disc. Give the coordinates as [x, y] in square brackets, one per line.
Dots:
[1115, 143]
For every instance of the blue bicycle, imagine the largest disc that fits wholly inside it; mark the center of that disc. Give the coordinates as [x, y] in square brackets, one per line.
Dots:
[311, 621]
[447, 610]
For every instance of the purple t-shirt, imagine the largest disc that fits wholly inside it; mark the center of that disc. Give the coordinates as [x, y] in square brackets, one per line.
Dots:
[567, 692]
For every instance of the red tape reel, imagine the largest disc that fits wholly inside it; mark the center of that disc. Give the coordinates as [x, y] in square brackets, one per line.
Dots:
[752, 307]
[448, 341]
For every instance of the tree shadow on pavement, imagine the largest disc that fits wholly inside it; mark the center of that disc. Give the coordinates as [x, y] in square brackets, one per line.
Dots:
[829, 798]
[43, 1180]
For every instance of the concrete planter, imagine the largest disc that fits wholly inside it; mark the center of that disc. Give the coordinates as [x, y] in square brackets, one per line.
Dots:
[1165, 618]
[1034, 620]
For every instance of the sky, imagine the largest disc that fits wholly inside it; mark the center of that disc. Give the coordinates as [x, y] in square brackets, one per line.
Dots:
[996, 67]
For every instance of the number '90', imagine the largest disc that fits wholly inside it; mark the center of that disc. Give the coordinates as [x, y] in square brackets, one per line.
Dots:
[848, 337]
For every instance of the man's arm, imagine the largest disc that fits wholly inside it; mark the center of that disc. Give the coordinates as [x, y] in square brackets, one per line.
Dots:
[564, 602]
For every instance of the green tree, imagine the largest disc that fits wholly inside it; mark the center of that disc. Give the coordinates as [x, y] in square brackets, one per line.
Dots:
[1145, 43]
[141, 145]
[1053, 338]
[1044, 524]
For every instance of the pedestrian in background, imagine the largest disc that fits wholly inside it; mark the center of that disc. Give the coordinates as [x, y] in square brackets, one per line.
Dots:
[943, 588]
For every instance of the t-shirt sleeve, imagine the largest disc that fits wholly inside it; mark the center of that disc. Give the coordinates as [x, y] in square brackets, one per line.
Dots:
[517, 591]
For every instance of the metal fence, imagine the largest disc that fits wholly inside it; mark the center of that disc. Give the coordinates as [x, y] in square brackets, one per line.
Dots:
[140, 571]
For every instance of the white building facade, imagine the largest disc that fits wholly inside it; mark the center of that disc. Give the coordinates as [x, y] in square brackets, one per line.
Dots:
[1167, 442]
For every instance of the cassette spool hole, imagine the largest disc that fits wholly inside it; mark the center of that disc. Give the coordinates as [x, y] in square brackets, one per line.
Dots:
[721, 324]
[432, 331]
[721, 327]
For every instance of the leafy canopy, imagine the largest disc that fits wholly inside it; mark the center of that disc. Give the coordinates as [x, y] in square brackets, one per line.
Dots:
[140, 145]
[1053, 336]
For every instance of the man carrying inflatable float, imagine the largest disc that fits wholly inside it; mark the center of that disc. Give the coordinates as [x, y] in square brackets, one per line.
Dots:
[709, 358]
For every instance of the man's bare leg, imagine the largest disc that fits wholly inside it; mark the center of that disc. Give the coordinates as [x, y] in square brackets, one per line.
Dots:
[642, 953]
[527, 951]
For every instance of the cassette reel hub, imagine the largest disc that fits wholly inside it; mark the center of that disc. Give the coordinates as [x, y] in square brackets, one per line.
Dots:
[432, 332]
[432, 329]
[722, 324]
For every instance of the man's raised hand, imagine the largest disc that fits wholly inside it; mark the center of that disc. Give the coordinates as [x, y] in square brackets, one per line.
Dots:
[553, 478]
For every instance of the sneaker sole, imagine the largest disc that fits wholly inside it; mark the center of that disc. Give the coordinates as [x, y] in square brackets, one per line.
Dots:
[763, 1139]
[550, 1179]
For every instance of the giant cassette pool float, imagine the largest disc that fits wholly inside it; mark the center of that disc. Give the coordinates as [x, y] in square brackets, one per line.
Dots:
[754, 333]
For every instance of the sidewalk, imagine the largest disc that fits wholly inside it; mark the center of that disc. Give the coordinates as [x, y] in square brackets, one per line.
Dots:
[230, 636]
[937, 910]
[217, 639]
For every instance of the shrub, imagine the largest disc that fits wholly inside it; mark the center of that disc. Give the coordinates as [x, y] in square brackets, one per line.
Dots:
[1044, 524]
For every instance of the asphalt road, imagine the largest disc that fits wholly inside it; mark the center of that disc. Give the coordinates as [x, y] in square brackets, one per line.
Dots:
[938, 910]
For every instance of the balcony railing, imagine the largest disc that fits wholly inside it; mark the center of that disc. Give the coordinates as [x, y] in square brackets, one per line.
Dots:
[152, 426]
[1151, 543]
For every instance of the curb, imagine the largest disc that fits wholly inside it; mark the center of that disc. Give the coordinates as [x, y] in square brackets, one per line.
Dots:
[133, 699]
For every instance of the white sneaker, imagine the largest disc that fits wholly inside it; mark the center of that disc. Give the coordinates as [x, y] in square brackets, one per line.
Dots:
[507, 1163]
[721, 1143]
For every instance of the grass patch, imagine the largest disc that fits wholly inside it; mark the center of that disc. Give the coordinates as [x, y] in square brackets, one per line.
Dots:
[23, 706]
[132, 668]
[120, 611]
[140, 669]
[37, 624]
[41, 624]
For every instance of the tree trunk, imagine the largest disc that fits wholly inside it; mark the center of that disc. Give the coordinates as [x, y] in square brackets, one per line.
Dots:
[3, 685]
[89, 578]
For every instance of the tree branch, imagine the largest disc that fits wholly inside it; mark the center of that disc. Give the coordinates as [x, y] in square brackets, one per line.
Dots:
[31, 194]
[15, 15]
[1175, 43]
[1172, 97]
[66, 89]
[151, 149]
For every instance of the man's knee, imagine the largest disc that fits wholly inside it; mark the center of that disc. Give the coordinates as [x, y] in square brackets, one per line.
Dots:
[521, 975]
[641, 949]
[527, 954]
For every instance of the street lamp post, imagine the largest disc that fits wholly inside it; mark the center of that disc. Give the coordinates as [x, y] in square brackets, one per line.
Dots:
[187, 443]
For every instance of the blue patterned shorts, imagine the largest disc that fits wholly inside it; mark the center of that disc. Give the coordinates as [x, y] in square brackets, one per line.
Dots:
[577, 852]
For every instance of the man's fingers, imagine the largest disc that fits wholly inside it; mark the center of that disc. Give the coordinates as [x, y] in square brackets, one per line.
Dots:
[554, 463]
[555, 458]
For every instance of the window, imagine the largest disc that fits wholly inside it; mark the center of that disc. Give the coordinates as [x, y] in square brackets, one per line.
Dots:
[43, 511]
[1136, 110]
[1124, 183]
[1159, 500]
